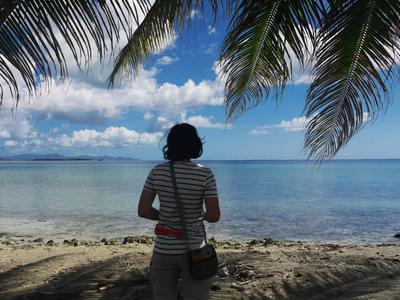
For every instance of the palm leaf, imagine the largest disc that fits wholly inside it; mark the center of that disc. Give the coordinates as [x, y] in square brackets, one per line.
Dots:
[158, 27]
[255, 56]
[28, 45]
[354, 60]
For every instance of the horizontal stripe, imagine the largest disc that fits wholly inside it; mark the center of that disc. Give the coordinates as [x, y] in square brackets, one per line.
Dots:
[175, 211]
[174, 239]
[184, 173]
[182, 188]
[175, 243]
[189, 180]
[172, 205]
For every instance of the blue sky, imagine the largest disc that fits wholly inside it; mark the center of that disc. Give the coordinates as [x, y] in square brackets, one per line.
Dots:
[178, 84]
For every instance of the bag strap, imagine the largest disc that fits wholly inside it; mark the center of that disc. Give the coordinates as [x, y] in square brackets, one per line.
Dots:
[178, 203]
[179, 206]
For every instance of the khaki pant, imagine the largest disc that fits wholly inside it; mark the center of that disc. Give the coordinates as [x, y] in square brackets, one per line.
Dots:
[164, 275]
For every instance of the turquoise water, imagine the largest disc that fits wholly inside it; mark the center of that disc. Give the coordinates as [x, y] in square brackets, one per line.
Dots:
[341, 201]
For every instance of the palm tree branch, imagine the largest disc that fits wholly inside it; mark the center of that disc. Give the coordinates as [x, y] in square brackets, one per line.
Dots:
[30, 32]
[350, 73]
[157, 27]
[255, 55]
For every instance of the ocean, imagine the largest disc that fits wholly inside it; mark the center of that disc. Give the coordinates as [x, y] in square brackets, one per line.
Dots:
[341, 201]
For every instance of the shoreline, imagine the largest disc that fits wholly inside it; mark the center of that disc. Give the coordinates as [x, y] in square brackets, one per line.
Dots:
[269, 269]
[9, 238]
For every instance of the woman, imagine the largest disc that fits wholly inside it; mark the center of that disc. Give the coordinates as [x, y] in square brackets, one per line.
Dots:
[196, 186]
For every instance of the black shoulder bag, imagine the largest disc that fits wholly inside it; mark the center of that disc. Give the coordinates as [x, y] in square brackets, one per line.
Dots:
[203, 262]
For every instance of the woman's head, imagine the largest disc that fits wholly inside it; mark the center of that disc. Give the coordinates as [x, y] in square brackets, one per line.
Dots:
[183, 142]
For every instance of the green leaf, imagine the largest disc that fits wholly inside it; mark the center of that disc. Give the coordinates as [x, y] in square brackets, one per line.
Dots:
[354, 60]
[256, 56]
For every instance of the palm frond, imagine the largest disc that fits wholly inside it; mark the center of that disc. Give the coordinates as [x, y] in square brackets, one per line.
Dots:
[151, 34]
[354, 60]
[255, 56]
[29, 42]
[158, 27]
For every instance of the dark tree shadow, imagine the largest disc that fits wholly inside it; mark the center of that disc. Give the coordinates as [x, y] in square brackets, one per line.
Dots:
[108, 279]
[120, 278]
[378, 281]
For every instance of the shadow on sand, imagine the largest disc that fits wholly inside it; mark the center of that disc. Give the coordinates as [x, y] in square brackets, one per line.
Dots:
[112, 279]
[101, 280]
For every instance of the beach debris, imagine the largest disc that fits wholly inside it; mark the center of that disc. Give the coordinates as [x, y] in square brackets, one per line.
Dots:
[112, 242]
[74, 242]
[102, 288]
[297, 274]
[141, 239]
[270, 241]
[5, 235]
[38, 240]
[9, 242]
[86, 243]
[397, 235]
[104, 240]
[330, 247]
[255, 242]
[67, 243]
[50, 243]
[223, 272]
[237, 270]
[265, 242]
[238, 287]
[129, 240]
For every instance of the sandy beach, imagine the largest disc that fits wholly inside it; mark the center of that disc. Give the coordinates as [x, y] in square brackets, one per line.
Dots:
[260, 269]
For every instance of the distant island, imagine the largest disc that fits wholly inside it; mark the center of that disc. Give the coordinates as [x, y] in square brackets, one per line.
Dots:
[59, 157]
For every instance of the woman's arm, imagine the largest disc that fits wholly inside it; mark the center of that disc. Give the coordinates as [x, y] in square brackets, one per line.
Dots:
[145, 207]
[213, 212]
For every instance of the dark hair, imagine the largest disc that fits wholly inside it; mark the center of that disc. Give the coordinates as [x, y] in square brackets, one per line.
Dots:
[183, 142]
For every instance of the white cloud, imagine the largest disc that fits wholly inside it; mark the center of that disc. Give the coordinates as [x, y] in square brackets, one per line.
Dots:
[258, 132]
[199, 121]
[85, 100]
[164, 123]
[110, 138]
[203, 122]
[211, 29]
[148, 115]
[166, 60]
[15, 126]
[293, 125]
[10, 143]
[296, 124]
[4, 134]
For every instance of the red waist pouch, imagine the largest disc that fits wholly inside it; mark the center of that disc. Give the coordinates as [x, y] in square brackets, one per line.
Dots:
[159, 230]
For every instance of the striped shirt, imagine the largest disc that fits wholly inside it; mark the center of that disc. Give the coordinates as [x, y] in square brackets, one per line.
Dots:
[195, 183]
